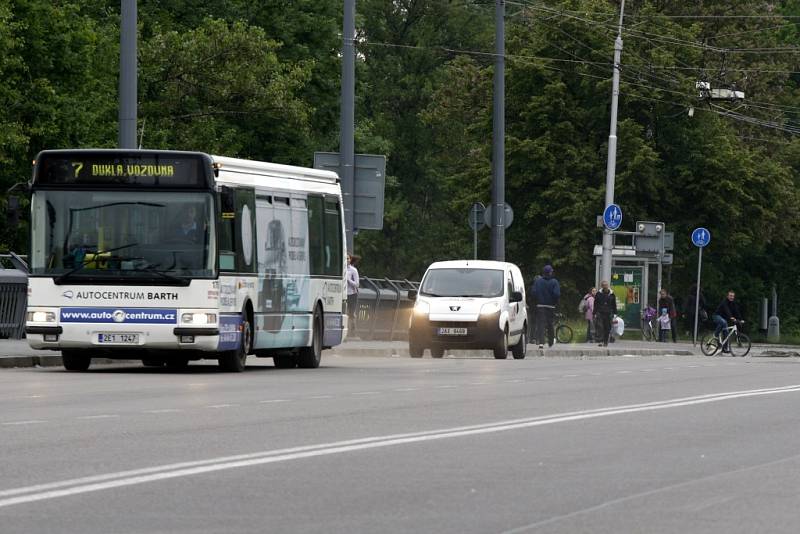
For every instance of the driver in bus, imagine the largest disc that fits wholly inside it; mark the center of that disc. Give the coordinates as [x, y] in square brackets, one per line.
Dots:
[189, 229]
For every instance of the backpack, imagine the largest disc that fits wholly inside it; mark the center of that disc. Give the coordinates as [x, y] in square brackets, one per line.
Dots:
[582, 305]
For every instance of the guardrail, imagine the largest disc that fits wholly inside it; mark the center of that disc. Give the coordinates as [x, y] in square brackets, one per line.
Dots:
[384, 310]
[13, 295]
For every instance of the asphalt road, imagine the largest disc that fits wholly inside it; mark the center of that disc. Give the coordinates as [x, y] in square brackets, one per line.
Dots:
[658, 444]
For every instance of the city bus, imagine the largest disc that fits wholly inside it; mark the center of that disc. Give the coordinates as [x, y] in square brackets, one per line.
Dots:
[168, 256]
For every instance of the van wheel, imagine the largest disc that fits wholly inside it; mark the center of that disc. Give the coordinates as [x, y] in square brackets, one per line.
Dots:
[235, 361]
[415, 350]
[75, 360]
[501, 349]
[519, 350]
[437, 352]
[309, 357]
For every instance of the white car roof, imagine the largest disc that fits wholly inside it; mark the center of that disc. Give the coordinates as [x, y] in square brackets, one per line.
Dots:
[475, 264]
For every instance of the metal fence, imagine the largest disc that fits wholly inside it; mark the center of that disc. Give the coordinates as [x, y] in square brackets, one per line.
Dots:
[384, 310]
[13, 295]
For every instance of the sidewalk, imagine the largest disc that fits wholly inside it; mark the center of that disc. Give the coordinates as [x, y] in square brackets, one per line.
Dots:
[17, 353]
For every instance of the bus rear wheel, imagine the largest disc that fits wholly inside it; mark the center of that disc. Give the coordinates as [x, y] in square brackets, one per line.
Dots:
[236, 360]
[310, 357]
[75, 360]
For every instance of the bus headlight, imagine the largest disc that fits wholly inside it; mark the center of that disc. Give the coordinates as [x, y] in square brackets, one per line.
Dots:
[198, 318]
[41, 317]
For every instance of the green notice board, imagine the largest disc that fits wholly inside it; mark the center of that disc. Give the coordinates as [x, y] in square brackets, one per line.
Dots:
[626, 283]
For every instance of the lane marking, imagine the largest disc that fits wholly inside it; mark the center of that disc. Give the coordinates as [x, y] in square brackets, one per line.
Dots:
[99, 416]
[273, 400]
[445, 387]
[365, 393]
[28, 422]
[406, 389]
[164, 410]
[569, 376]
[95, 483]
[218, 406]
[321, 397]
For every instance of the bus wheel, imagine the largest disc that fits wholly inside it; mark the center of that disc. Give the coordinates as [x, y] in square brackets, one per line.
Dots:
[235, 360]
[309, 357]
[75, 360]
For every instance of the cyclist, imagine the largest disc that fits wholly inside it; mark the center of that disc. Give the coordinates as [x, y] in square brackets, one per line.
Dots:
[546, 291]
[728, 310]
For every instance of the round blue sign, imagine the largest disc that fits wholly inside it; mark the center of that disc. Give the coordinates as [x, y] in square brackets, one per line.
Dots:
[701, 237]
[612, 217]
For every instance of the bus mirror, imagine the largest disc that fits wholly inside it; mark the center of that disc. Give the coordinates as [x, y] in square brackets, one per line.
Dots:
[412, 294]
[12, 211]
[227, 201]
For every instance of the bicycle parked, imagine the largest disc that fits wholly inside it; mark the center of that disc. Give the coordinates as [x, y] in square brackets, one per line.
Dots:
[737, 342]
[650, 324]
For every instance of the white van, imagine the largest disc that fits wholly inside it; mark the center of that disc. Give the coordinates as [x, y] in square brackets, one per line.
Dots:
[471, 305]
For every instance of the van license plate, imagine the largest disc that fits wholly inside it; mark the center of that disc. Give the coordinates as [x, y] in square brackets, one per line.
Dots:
[118, 339]
[452, 331]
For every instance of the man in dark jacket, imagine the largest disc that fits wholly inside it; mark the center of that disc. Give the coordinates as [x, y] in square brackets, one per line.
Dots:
[728, 310]
[546, 291]
[605, 307]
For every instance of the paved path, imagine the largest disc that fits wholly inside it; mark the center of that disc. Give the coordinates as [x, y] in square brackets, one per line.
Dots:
[603, 445]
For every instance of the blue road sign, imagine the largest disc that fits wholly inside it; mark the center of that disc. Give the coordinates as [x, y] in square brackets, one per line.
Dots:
[612, 217]
[701, 237]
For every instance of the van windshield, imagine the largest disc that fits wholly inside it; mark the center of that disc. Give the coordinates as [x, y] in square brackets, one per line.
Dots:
[466, 282]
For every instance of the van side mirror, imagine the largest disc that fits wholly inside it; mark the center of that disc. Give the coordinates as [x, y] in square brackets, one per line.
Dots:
[516, 296]
[412, 294]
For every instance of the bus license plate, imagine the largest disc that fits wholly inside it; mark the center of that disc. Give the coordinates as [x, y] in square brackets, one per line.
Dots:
[118, 339]
[452, 331]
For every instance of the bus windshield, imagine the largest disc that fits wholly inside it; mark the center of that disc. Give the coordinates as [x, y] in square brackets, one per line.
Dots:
[166, 237]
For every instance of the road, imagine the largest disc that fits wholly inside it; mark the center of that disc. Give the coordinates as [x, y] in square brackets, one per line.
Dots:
[656, 444]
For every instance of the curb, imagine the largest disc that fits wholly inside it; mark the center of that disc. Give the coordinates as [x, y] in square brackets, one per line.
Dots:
[8, 362]
[532, 353]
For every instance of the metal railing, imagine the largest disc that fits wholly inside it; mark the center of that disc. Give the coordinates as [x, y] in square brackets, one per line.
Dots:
[13, 295]
[384, 310]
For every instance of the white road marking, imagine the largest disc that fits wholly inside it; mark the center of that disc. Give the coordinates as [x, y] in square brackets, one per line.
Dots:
[98, 416]
[77, 486]
[164, 410]
[569, 376]
[34, 396]
[405, 389]
[623, 372]
[28, 422]
[217, 406]
[273, 400]
[365, 393]
[321, 397]
[445, 387]
[478, 383]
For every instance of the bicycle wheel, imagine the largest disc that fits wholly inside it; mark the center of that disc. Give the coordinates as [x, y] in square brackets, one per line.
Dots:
[739, 345]
[564, 334]
[709, 345]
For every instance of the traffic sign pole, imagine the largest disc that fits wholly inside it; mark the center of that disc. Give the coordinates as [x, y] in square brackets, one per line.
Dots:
[475, 229]
[697, 294]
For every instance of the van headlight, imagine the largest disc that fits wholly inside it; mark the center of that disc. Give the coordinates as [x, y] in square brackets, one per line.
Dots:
[490, 308]
[422, 307]
[199, 318]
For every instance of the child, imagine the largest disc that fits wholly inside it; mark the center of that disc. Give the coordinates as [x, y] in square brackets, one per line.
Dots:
[665, 323]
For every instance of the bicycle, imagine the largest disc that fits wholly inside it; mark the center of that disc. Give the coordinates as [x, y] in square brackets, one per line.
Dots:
[738, 343]
[563, 331]
[650, 324]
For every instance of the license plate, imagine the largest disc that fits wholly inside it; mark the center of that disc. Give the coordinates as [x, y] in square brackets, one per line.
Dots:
[118, 339]
[452, 331]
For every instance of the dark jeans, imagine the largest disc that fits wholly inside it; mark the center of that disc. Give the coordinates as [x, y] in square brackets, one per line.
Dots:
[590, 331]
[721, 326]
[544, 322]
[662, 335]
[352, 310]
[603, 325]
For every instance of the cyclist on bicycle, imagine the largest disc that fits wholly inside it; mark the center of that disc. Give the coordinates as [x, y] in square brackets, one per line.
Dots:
[728, 310]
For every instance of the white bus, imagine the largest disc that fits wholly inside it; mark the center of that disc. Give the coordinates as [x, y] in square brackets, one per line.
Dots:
[167, 257]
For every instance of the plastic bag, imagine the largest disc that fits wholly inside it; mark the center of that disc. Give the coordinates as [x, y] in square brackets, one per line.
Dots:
[618, 326]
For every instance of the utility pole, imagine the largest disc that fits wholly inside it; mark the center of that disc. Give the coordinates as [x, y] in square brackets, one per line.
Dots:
[127, 75]
[347, 119]
[612, 149]
[499, 127]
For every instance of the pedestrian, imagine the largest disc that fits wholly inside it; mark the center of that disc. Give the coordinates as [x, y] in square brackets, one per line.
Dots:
[728, 310]
[665, 300]
[664, 325]
[689, 309]
[586, 307]
[547, 292]
[352, 290]
[605, 307]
